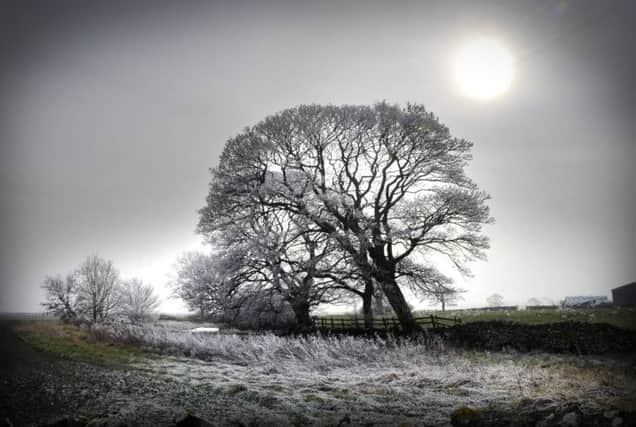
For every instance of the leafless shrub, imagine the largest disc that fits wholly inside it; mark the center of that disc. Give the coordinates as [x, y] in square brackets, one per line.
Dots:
[138, 300]
[61, 296]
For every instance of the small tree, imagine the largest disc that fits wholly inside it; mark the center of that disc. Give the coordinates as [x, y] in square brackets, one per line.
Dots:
[446, 295]
[61, 296]
[533, 301]
[98, 288]
[138, 300]
[198, 283]
[495, 300]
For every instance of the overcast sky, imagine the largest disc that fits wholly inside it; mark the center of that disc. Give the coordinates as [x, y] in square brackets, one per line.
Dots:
[111, 114]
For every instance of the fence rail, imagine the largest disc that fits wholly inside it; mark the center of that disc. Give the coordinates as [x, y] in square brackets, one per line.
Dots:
[384, 323]
[542, 307]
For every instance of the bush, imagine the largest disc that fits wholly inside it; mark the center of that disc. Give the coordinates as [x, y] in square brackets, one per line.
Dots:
[260, 312]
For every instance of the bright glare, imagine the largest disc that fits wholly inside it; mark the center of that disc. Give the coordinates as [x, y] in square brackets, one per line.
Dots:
[483, 69]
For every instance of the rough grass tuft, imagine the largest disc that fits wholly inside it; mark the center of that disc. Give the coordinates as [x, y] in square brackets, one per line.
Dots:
[234, 389]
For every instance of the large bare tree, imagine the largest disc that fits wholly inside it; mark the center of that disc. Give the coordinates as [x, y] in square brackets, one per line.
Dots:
[93, 291]
[385, 183]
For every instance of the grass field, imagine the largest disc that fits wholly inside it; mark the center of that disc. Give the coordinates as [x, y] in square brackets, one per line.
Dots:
[623, 317]
[76, 343]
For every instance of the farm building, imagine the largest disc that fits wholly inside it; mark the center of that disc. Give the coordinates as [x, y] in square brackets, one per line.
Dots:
[625, 295]
[583, 301]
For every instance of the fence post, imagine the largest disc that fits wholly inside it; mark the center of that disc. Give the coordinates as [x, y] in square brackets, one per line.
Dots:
[332, 324]
[433, 322]
[342, 323]
[384, 323]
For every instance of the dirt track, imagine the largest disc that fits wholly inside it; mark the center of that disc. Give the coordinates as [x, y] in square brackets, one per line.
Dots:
[36, 387]
[22, 368]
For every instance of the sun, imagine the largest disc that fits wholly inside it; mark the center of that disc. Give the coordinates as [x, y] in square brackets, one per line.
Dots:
[483, 69]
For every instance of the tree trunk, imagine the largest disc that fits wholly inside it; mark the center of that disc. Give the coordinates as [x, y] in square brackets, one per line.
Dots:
[399, 305]
[367, 303]
[443, 303]
[301, 310]
[367, 276]
[378, 298]
[386, 277]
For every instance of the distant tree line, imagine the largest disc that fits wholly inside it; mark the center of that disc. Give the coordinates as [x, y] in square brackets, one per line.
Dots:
[319, 204]
[94, 292]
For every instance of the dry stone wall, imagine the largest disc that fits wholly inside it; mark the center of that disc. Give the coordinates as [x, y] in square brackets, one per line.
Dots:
[561, 337]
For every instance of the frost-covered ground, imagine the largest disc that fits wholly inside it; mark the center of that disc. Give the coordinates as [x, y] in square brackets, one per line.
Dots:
[326, 379]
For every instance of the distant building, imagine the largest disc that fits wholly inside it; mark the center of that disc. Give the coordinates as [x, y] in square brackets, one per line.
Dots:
[625, 295]
[583, 301]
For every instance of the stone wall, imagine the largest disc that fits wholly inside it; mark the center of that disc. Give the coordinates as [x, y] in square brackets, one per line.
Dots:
[561, 337]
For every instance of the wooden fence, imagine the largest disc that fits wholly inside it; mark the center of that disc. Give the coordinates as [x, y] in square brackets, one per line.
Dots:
[542, 307]
[390, 323]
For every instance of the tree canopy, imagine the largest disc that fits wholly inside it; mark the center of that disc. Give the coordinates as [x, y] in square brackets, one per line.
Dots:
[382, 185]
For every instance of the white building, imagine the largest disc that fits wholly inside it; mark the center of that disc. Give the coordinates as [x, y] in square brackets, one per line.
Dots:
[584, 301]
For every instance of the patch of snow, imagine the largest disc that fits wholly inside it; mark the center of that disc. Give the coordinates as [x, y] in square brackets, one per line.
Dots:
[205, 330]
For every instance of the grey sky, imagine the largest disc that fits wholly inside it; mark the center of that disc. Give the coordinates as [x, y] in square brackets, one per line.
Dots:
[111, 114]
